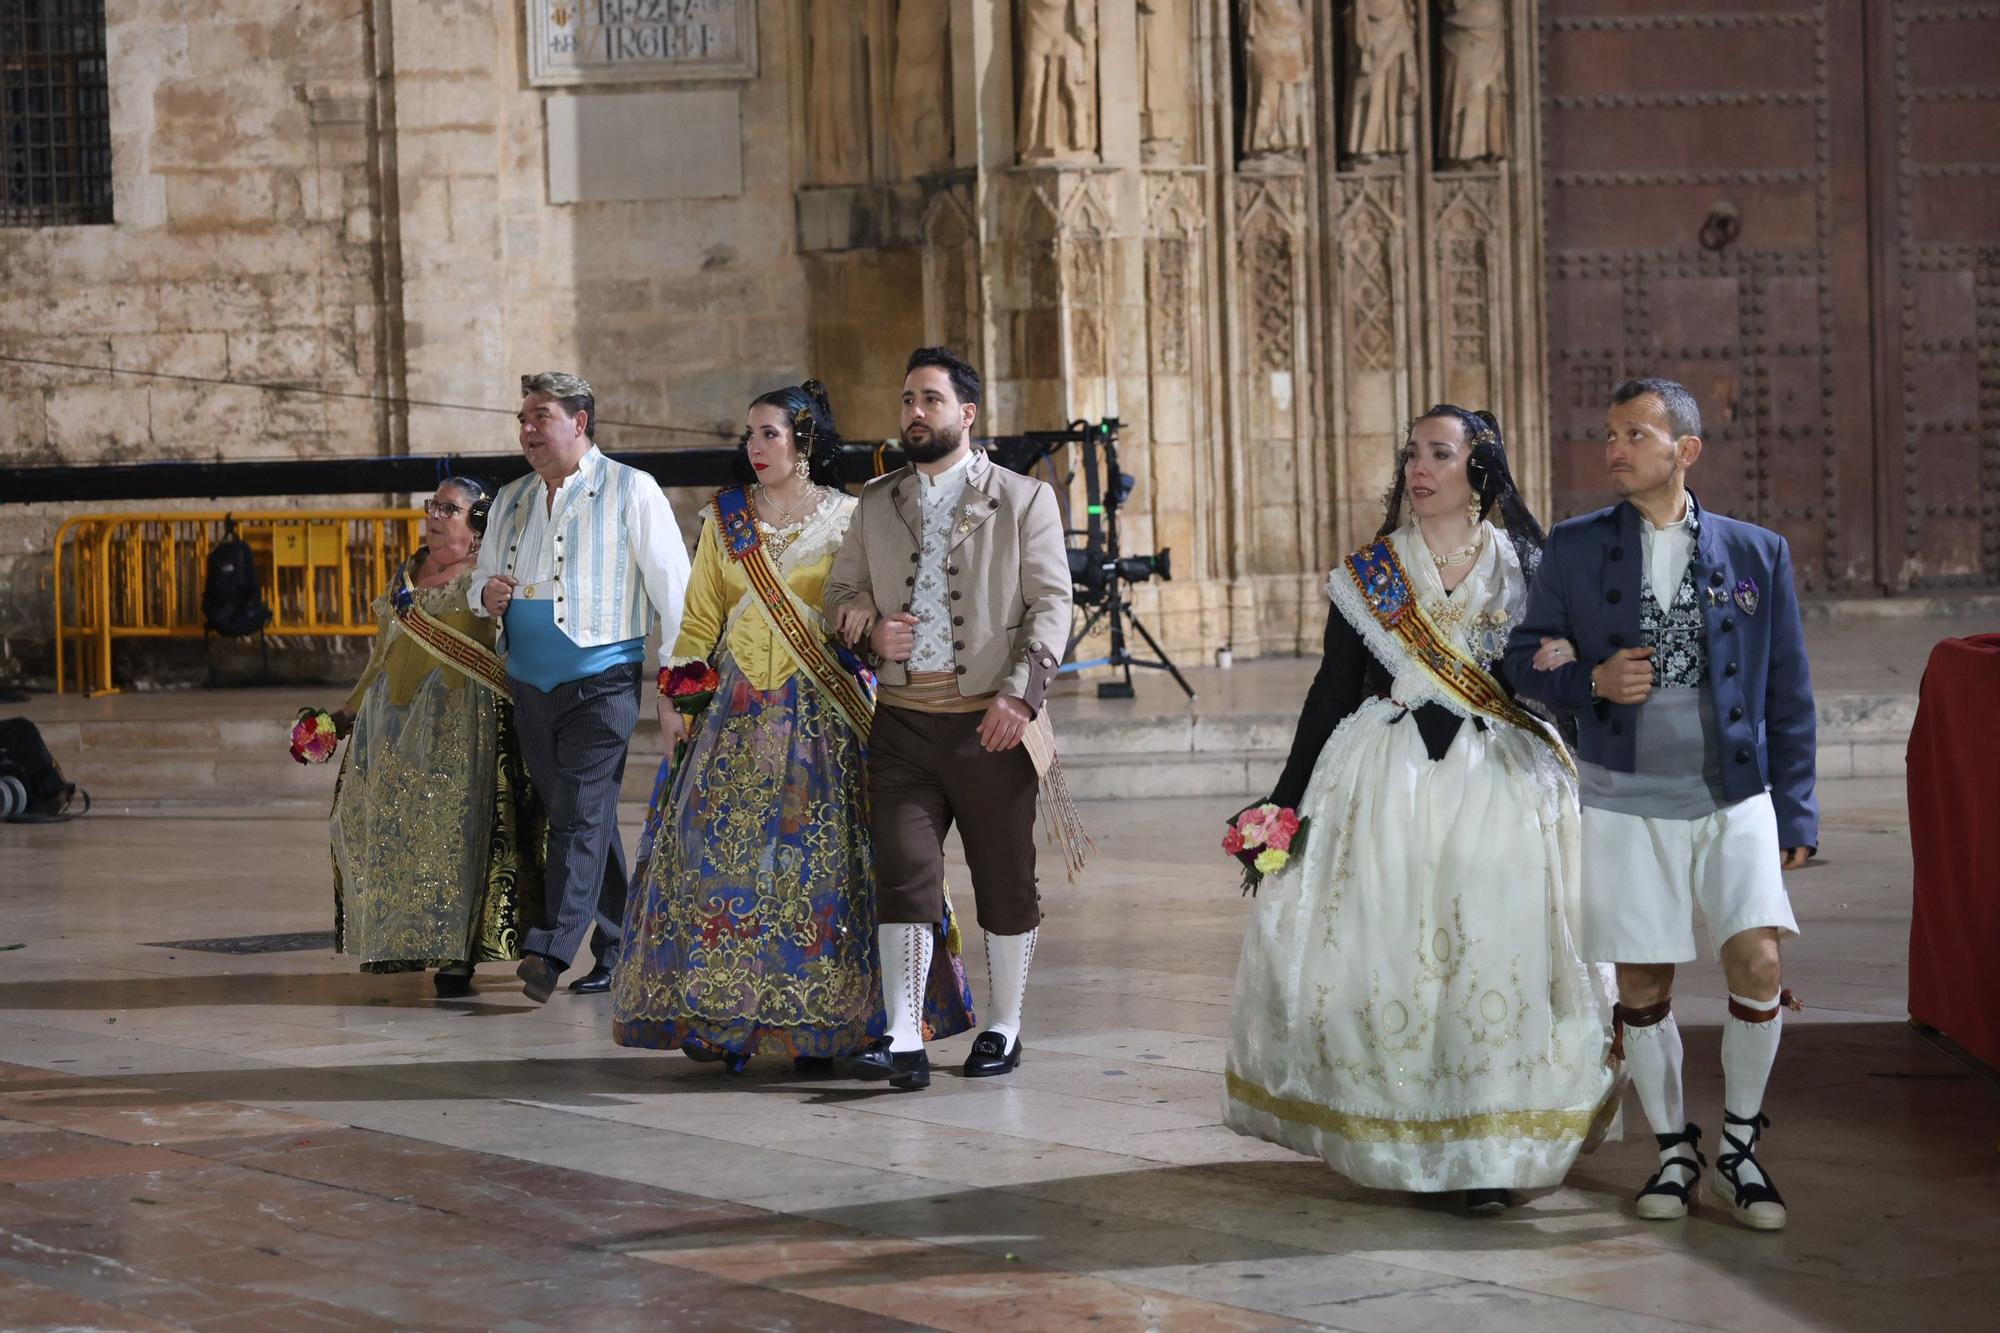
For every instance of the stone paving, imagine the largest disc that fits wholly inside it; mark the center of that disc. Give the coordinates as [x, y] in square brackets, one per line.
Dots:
[274, 1141]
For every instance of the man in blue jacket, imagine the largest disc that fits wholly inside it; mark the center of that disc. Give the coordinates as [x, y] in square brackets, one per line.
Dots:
[1673, 636]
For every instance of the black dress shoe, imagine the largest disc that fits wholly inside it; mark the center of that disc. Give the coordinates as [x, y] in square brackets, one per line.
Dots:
[452, 985]
[991, 1055]
[908, 1071]
[595, 982]
[538, 977]
[1487, 1203]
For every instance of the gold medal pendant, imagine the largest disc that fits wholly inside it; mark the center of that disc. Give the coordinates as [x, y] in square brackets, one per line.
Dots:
[528, 591]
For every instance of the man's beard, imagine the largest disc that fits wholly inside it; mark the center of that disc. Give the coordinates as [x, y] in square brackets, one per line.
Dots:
[933, 446]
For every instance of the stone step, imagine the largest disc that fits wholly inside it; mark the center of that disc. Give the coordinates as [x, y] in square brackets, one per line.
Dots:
[217, 780]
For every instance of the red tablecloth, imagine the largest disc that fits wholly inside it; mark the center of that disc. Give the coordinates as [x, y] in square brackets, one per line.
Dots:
[1955, 835]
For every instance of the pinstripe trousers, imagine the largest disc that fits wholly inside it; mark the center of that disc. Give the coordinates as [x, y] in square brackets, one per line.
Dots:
[574, 738]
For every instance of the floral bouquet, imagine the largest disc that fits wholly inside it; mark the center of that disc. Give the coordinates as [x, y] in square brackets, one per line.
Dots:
[314, 736]
[691, 686]
[1263, 838]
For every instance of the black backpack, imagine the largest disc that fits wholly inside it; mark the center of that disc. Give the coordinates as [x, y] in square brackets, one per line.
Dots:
[232, 597]
[32, 788]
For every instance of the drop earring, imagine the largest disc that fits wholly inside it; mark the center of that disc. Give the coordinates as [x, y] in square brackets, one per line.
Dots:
[802, 466]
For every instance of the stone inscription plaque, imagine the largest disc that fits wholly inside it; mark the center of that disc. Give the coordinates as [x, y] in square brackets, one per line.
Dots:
[634, 41]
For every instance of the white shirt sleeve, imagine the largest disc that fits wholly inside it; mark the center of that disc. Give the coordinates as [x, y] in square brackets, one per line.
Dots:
[660, 554]
[492, 560]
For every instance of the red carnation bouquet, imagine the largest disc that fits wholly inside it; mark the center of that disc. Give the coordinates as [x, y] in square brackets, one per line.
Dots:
[691, 686]
[314, 737]
[1264, 838]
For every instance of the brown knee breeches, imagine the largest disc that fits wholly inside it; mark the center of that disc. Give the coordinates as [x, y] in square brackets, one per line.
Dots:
[927, 771]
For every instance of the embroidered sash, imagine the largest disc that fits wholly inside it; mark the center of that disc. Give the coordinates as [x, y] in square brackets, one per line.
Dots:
[840, 675]
[1385, 590]
[443, 642]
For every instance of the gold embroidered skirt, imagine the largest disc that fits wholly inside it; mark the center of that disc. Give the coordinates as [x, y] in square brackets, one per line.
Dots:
[436, 833]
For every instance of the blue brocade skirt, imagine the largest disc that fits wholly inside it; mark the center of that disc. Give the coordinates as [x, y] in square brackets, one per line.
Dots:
[751, 925]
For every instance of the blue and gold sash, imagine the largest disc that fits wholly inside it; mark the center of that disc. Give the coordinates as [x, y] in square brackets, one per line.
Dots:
[839, 673]
[1385, 591]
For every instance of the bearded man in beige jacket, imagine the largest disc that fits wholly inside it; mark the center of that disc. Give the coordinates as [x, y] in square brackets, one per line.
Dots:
[973, 558]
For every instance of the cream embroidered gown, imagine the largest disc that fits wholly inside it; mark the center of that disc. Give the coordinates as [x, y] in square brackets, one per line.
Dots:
[1411, 1006]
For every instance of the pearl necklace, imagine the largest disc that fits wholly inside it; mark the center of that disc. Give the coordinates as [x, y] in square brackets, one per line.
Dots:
[1455, 558]
[811, 493]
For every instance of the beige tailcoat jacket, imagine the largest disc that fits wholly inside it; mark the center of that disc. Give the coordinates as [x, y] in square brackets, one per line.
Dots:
[1007, 575]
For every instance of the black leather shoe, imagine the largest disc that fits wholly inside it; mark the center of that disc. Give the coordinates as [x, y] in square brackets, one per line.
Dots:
[991, 1056]
[595, 982]
[1487, 1203]
[452, 985]
[908, 1071]
[538, 977]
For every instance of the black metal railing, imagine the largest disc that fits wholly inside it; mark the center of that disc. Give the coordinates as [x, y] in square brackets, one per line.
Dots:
[55, 114]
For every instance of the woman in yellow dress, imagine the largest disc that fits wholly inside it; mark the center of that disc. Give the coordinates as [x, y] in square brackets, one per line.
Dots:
[429, 861]
[751, 928]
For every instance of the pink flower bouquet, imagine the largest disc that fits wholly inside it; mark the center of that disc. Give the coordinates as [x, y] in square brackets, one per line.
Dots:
[1263, 838]
[314, 737]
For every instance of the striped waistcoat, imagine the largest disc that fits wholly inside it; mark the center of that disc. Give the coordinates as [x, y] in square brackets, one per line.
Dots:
[603, 597]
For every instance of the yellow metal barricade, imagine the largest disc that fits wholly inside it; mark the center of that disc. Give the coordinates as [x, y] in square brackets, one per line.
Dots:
[122, 576]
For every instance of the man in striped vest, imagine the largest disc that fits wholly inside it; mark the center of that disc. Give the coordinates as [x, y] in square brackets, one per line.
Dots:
[578, 558]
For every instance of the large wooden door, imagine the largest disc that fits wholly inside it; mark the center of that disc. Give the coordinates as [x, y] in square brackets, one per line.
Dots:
[1792, 206]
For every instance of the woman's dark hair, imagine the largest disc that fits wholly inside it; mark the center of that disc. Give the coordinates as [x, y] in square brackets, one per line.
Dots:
[1492, 482]
[478, 500]
[810, 413]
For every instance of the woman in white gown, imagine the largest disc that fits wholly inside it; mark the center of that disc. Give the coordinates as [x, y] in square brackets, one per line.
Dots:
[1411, 1006]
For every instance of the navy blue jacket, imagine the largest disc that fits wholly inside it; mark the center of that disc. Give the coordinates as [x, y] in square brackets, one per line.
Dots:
[1587, 591]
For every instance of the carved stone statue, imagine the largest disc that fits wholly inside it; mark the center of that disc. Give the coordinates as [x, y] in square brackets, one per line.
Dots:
[1472, 110]
[1166, 61]
[1382, 75]
[836, 88]
[1057, 120]
[920, 88]
[1275, 43]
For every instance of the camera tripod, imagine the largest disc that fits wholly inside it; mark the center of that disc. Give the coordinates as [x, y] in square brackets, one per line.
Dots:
[1099, 572]
[1117, 609]
[1101, 540]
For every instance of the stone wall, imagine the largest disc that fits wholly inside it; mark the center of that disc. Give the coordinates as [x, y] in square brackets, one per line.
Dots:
[283, 214]
[247, 246]
[1263, 232]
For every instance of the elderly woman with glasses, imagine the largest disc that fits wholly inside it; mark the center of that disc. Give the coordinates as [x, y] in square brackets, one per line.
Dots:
[436, 833]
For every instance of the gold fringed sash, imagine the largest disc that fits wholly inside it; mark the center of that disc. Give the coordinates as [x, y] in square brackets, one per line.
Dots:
[446, 644]
[1385, 590]
[853, 699]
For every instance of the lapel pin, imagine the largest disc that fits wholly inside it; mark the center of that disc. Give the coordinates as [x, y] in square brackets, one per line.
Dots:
[1746, 596]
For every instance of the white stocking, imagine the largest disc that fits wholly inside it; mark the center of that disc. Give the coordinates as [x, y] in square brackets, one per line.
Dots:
[906, 964]
[1653, 1057]
[1007, 960]
[1748, 1052]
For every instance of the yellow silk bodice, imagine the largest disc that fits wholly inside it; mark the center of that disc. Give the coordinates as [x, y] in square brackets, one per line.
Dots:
[405, 660]
[721, 608]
